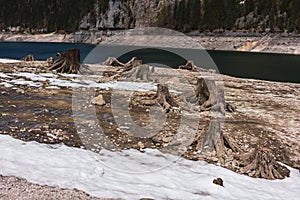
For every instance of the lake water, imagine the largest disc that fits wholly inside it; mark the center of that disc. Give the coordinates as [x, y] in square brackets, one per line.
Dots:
[265, 66]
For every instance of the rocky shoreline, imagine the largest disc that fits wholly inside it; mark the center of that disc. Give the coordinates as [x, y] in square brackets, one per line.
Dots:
[266, 43]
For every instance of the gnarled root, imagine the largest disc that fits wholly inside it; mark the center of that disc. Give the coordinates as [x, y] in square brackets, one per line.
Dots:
[111, 61]
[141, 72]
[162, 97]
[212, 143]
[189, 66]
[29, 57]
[122, 67]
[67, 62]
[261, 164]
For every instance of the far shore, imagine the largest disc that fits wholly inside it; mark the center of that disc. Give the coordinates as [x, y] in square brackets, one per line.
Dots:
[267, 43]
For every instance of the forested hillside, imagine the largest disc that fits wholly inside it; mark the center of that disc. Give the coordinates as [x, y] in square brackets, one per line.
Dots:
[209, 15]
[182, 15]
[51, 15]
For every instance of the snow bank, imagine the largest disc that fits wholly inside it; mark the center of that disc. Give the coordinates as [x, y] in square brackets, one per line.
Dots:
[75, 81]
[151, 174]
[5, 60]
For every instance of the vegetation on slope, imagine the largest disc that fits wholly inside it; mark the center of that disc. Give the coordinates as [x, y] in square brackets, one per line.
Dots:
[209, 15]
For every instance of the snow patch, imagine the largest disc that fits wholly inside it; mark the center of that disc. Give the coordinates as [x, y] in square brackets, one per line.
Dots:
[67, 167]
[7, 60]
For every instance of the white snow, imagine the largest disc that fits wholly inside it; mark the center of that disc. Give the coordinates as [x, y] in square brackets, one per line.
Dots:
[6, 60]
[133, 175]
[74, 81]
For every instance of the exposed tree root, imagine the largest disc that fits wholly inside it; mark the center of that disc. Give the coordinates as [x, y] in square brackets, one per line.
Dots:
[141, 72]
[212, 143]
[67, 62]
[189, 66]
[111, 61]
[29, 57]
[162, 97]
[261, 164]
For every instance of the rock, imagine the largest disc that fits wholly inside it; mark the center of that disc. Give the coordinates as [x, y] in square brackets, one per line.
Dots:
[218, 181]
[99, 101]
[141, 145]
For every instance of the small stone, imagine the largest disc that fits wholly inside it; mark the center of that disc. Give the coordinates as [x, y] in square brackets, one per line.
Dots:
[141, 145]
[218, 181]
[167, 139]
[98, 100]
[214, 159]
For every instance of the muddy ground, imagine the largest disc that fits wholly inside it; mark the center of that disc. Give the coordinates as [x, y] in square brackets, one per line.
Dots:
[267, 115]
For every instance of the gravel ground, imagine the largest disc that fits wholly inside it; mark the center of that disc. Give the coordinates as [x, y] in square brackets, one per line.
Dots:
[12, 188]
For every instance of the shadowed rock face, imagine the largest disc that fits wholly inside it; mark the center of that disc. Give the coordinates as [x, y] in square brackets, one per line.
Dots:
[266, 116]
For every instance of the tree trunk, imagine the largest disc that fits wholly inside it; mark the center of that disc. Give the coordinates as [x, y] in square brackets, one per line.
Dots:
[67, 62]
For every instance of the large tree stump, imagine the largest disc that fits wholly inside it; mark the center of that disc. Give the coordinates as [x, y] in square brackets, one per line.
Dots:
[261, 164]
[67, 62]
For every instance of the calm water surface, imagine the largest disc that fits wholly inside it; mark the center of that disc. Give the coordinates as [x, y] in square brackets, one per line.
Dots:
[265, 66]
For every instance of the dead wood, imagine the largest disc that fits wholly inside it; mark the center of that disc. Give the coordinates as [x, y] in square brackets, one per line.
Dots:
[111, 61]
[50, 60]
[67, 62]
[189, 66]
[122, 67]
[209, 95]
[162, 97]
[142, 72]
[211, 142]
[261, 164]
[29, 57]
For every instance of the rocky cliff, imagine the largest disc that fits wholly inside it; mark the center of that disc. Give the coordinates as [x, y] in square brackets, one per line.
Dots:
[121, 14]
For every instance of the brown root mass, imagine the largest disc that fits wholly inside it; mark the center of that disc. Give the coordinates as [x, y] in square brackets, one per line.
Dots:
[67, 62]
[261, 164]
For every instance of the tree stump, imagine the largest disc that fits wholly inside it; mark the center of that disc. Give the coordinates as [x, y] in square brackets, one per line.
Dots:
[111, 61]
[209, 95]
[67, 62]
[141, 73]
[189, 66]
[29, 57]
[261, 164]
[162, 97]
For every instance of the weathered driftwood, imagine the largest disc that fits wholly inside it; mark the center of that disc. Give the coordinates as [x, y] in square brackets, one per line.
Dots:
[189, 66]
[261, 164]
[29, 57]
[67, 62]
